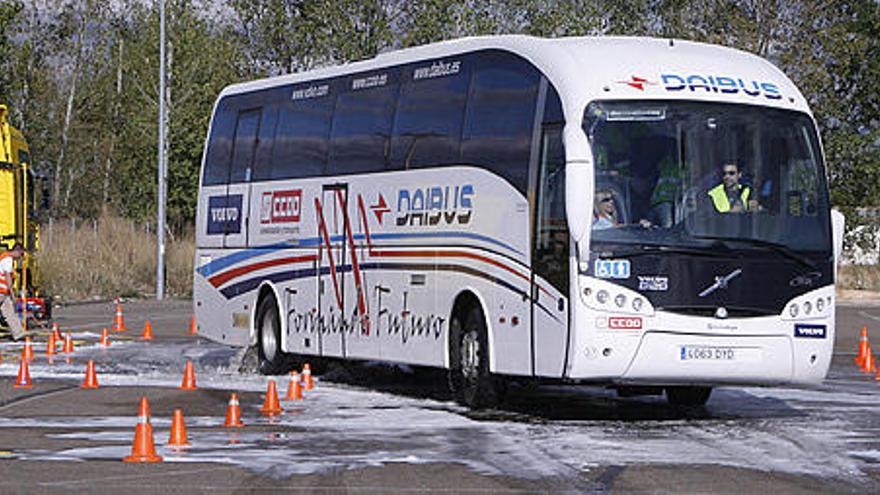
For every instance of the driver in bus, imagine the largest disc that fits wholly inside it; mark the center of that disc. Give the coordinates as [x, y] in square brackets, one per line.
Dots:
[731, 196]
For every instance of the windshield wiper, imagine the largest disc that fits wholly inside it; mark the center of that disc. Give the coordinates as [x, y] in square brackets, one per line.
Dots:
[774, 246]
[645, 249]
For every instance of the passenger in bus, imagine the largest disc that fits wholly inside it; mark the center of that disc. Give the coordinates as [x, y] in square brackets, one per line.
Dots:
[605, 211]
[731, 196]
[666, 190]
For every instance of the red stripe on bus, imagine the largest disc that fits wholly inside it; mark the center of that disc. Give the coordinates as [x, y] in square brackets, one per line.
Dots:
[222, 278]
[454, 254]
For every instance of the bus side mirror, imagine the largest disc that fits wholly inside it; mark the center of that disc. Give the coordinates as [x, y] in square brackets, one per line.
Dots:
[838, 223]
[579, 187]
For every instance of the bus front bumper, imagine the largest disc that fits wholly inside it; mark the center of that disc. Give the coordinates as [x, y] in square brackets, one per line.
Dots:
[669, 358]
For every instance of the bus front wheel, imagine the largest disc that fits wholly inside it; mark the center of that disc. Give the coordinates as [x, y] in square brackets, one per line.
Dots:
[272, 360]
[470, 380]
[688, 396]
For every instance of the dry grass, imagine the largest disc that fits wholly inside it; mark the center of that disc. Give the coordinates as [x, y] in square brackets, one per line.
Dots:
[859, 277]
[110, 258]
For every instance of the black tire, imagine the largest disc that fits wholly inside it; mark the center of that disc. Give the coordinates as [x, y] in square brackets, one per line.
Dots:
[272, 361]
[688, 396]
[470, 381]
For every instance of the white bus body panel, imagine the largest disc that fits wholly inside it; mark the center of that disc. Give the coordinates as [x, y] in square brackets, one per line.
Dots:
[408, 275]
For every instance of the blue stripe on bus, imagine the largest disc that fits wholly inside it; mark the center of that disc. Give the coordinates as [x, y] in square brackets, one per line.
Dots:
[251, 284]
[231, 259]
[239, 256]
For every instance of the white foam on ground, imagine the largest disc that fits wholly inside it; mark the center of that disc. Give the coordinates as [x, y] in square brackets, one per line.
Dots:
[825, 432]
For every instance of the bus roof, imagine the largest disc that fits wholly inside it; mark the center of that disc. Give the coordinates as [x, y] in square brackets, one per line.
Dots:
[583, 69]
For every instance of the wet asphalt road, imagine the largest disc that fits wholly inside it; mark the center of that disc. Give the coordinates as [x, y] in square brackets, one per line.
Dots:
[379, 429]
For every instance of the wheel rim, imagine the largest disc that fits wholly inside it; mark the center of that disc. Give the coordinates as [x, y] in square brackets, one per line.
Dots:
[470, 355]
[268, 341]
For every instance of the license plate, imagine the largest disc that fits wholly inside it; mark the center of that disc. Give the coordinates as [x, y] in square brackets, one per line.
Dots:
[707, 353]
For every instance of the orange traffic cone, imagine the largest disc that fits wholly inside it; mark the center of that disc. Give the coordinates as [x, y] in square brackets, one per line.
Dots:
[24, 375]
[148, 331]
[50, 345]
[233, 413]
[863, 346]
[55, 332]
[144, 410]
[119, 319]
[868, 365]
[193, 330]
[271, 407]
[189, 378]
[294, 392]
[91, 380]
[27, 353]
[178, 431]
[143, 449]
[68, 344]
[307, 377]
[105, 338]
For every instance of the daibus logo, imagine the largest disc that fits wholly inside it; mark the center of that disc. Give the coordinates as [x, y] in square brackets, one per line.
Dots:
[720, 84]
[433, 204]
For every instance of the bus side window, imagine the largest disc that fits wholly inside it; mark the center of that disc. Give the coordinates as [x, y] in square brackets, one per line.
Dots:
[262, 165]
[246, 131]
[500, 116]
[217, 157]
[301, 141]
[360, 137]
[427, 125]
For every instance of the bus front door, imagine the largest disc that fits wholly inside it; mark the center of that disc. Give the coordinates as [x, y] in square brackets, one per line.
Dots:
[550, 260]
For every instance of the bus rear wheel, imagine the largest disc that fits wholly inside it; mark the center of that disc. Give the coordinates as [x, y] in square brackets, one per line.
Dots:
[272, 360]
[688, 396]
[470, 380]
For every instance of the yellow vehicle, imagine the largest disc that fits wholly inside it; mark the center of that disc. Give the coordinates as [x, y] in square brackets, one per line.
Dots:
[21, 195]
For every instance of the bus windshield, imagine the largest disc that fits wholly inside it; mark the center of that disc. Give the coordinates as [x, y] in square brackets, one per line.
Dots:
[691, 174]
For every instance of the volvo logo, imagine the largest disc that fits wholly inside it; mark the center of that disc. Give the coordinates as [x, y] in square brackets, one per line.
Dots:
[721, 282]
[805, 280]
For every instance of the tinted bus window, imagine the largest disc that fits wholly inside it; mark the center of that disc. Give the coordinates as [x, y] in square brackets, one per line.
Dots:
[265, 140]
[500, 115]
[300, 148]
[360, 139]
[552, 107]
[220, 144]
[427, 127]
[245, 145]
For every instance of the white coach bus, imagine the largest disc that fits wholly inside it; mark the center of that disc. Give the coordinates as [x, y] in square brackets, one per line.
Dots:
[647, 214]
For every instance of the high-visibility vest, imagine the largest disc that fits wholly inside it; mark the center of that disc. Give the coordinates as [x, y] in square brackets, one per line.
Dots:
[722, 203]
[668, 182]
[5, 278]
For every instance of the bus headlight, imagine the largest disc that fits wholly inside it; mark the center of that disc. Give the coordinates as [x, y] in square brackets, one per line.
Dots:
[812, 305]
[637, 303]
[599, 295]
